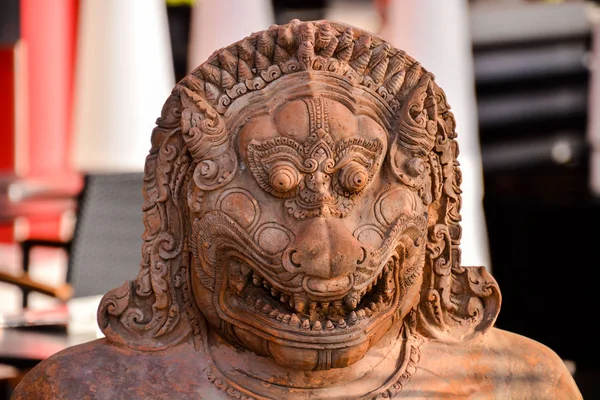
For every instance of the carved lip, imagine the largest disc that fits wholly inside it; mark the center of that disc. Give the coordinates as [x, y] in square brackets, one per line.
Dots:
[273, 315]
[323, 286]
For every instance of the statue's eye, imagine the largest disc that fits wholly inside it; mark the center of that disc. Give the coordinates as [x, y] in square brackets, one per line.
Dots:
[283, 178]
[353, 177]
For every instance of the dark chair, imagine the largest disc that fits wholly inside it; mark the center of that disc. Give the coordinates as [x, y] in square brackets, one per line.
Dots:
[105, 251]
[105, 247]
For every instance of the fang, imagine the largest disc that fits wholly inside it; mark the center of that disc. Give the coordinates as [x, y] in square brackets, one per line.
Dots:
[352, 300]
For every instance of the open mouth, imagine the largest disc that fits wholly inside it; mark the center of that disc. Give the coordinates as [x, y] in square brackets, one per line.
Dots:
[258, 300]
[254, 300]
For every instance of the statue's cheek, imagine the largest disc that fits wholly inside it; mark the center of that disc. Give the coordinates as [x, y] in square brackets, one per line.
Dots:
[369, 234]
[273, 237]
[387, 208]
[394, 203]
[241, 206]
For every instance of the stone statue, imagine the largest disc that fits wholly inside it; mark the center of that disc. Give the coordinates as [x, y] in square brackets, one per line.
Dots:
[302, 209]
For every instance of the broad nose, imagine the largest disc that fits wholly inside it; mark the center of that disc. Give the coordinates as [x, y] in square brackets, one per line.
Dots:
[325, 248]
[318, 182]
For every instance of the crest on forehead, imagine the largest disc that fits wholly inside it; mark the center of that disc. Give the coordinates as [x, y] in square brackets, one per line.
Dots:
[193, 146]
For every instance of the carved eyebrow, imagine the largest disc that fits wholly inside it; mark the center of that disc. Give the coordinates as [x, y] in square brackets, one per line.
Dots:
[350, 156]
[286, 153]
[363, 151]
[369, 145]
[267, 146]
[280, 148]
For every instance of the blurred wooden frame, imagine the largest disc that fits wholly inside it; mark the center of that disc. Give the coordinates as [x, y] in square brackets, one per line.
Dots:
[61, 292]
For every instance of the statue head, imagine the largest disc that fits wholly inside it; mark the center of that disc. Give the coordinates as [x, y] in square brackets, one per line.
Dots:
[302, 199]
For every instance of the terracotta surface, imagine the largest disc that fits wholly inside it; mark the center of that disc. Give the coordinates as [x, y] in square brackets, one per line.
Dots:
[302, 241]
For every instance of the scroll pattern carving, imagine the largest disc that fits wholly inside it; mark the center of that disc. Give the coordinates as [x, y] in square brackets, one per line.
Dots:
[457, 303]
[207, 140]
[147, 312]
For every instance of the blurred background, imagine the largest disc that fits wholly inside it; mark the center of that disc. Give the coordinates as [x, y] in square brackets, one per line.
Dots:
[83, 81]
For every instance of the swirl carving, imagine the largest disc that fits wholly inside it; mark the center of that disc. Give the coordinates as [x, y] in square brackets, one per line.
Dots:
[147, 313]
[205, 135]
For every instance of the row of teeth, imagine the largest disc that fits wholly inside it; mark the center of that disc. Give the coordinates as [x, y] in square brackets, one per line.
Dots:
[304, 323]
[352, 300]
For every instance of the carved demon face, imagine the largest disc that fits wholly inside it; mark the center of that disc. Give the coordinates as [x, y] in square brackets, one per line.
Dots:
[303, 191]
[312, 251]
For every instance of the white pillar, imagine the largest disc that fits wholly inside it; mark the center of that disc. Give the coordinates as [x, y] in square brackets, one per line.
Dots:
[124, 73]
[219, 23]
[437, 34]
[594, 107]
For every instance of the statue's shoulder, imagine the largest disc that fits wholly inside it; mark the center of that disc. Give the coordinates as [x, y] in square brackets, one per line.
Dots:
[49, 378]
[533, 370]
[497, 364]
[102, 370]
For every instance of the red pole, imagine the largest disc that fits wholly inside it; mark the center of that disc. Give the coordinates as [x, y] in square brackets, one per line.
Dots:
[48, 35]
[48, 29]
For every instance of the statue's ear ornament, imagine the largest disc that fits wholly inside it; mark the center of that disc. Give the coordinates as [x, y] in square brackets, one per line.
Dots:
[462, 306]
[417, 124]
[209, 143]
[415, 135]
[153, 312]
[457, 303]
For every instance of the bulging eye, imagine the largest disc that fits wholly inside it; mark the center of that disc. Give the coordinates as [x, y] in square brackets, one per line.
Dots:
[283, 178]
[354, 177]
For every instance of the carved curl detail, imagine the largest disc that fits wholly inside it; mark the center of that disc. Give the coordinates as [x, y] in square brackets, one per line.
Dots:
[461, 306]
[207, 139]
[417, 122]
[147, 313]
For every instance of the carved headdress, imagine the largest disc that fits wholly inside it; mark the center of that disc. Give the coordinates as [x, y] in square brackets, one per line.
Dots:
[194, 151]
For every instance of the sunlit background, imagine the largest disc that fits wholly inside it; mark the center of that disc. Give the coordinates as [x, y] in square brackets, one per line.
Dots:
[83, 81]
